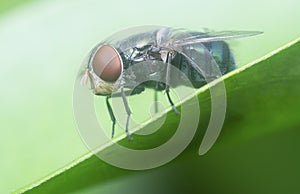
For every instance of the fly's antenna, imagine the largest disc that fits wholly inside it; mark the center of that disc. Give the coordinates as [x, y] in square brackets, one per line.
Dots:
[85, 78]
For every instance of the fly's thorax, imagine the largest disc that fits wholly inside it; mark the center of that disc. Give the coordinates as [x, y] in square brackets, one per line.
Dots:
[105, 70]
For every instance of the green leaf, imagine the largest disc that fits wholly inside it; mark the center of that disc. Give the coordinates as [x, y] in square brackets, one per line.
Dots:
[257, 151]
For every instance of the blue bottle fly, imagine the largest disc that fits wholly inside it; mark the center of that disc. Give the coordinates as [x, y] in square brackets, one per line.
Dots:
[200, 57]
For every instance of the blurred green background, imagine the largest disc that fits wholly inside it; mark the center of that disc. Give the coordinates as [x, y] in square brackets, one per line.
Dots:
[43, 43]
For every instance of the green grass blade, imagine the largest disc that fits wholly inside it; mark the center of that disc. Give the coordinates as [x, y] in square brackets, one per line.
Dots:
[255, 153]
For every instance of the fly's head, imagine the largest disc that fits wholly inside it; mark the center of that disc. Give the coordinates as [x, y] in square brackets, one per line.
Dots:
[104, 70]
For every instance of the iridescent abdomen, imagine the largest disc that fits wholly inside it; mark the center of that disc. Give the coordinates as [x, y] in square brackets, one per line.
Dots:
[220, 52]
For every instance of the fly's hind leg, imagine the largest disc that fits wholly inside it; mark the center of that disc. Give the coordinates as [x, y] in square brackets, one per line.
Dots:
[128, 111]
[112, 116]
[168, 61]
[156, 99]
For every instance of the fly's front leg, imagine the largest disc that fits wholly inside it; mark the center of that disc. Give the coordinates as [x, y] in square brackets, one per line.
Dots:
[168, 61]
[130, 57]
[128, 111]
[112, 116]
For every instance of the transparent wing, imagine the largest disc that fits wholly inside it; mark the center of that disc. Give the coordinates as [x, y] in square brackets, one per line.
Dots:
[213, 36]
[130, 38]
[200, 59]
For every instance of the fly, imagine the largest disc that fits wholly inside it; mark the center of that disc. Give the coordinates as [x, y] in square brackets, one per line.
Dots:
[193, 53]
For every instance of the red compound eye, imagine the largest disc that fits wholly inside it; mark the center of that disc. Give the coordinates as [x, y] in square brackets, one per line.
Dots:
[107, 63]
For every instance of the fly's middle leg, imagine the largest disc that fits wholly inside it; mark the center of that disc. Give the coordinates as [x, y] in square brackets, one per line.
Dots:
[168, 61]
[128, 111]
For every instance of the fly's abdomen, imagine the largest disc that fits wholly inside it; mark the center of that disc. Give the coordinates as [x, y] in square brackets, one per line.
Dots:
[222, 55]
[220, 52]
